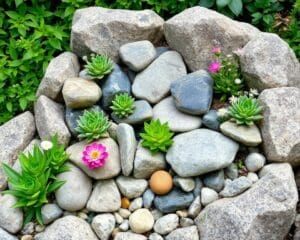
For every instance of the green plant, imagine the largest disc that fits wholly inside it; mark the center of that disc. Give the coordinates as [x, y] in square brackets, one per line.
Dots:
[99, 66]
[157, 136]
[228, 7]
[245, 111]
[123, 105]
[92, 125]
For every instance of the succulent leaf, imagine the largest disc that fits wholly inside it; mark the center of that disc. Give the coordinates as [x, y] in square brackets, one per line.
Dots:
[123, 105]
[99, 66]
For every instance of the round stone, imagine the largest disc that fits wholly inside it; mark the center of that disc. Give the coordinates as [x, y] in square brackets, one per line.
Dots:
[208, 196]
[166, 224]
[141, 221]
[255, 161]
[161, 182]
[125, 202]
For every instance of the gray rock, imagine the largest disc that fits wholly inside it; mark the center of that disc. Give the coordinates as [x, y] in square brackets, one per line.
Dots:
[265, 211]
[50, 212]
[156, 214]
[68, 227]
[200, 151]
[252, 177]
[136, 204]
[208, 196]
[215, 180]
[129, 236]
[112, 130]
[211, 120]
[186, 184]
[178, 121]
[103, 225]
[255, 161]
[6, 236]
[74, 194]
[267, 61]
[155, 236]
[235, 187]
[124, 226]
[142, 112]
[146, 163]
[112, 166]
[186, 222]
[116, 82]
[161, 50]
[193, 93]
[247, 135]
[49, 119]
[154, 82]
[119, 219]
[80, 93]
[174, 200]
[105, 197]
[141, 221]
[183, 30]
[166, 224]
[137, 55]
[198, 186]
[131, 187]
[187, 233]
[104, 31]
[281, 126]
[60, 68]
[232, 171]
[148, 198]
[195, 207]
[27, 229]
[127, 146]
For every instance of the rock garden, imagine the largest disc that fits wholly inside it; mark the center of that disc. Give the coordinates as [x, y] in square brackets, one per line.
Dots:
[183, 129]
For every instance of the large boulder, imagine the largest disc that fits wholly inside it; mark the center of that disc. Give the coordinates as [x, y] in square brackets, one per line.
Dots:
[280, 127]
[195, 31]
[265, 211]
[104, 31]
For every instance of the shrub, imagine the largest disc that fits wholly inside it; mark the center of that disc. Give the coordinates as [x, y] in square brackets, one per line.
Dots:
[98, 66]
[123, 105]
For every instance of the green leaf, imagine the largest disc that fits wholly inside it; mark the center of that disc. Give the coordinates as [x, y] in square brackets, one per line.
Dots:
[54, 186]
[55, 43]
[23, 103]
[236, 6]
[18, 2]
[207, 3]
[223, 3]
[9, 106]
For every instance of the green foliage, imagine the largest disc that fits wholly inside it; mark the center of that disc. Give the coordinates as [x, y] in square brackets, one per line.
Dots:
[99, 66]
[157, 136]
[245, 111]
[123, 105]
[92, 125]
[230, 8]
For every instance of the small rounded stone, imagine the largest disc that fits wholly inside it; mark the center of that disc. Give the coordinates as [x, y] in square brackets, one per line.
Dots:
[27, 237]
[141, 221]
[125, 203]
[255, 161]
[161, 182]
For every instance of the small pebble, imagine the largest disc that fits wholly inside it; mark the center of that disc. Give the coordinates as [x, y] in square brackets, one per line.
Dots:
[141, 221]
[124, 213]
[136, 204]
[156, 214]
[255, 161]
[182, 213]
[124, 226]
[82, 215]
[195, 208]
[186, 184]
[232, 171]
[28, 229]
[118, 218]
[252, 177]
[161, 182]
[26, 237]
[39, 228]
[186, 222]
[208, 196]
[125, 202]
[114, 232]
[198, 186]
[148, 198]
[155, 236]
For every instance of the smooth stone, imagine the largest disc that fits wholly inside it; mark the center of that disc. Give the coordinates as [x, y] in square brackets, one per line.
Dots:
[131, 187]
[232, 171]
[187, 233]
[208, 196]
[186, 184]
[155, 236]
[112, 130]
[50, 212]
[141, 221]
[182, 213]
[175, 200]
[211, 120]
[119, 219]
[137, 55]
[124, 226]
[148, 198]
[193, 93]
[153, 83]
[127, 146]
[200, 151]
[11, 219]
[247, 135]
[116, 82]
[235, 187]
[166, 224]
[161, 50]
[27, 229]
[103, 225]
[156, 214]
[195, 207]
[214, 180]
[49, 119]
[198, 186]
[112, 166]
[124, 213]
[60, 68]
[255, 161]
[186, 222]
[252, 177]
[27, 237]
[68, 227]
[136, 204]
[142, 112]
[105, 197]
[146, 163]
[129, 236]
[6, 236]
[74, 194]
[177, 121]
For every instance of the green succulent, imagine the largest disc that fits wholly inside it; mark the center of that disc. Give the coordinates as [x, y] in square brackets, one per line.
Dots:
[245, 111]
[157, 136]
[92, 125]
[123, 105]
[99, 66]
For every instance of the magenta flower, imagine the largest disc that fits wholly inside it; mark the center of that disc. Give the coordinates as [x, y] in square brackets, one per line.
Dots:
[216, 50]
[214, 67]
[94, 155]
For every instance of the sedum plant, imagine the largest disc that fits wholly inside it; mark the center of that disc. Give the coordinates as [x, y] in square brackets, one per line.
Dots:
[245, 111]
[92, 125]
[157, 136]
[99, 66]
[123, 105]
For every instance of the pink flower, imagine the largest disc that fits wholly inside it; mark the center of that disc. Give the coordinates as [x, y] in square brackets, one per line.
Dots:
[216, 50]
[214, 67]
[94, 155]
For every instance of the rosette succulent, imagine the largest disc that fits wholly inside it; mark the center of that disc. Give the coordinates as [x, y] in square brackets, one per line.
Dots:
[92, 125]
[245, 111]
[157, 136]
[99, 66]
[123, 105]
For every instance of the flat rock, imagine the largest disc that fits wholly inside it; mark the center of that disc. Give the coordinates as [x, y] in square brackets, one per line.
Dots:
[154, 82]
[166, 224]
[137, 55]
[112, 166]
[247, 135]
[131, 187]
[60, 68]
[103, 225]
[265, 211]
[211, 120]
[6, 236]
[200, 151]
[195, 207]
[235, 187]
[51, 212]
[49, 119]
[129, 236]
[183, 30]
[166, 111]
[187, 233]
[281, 125]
